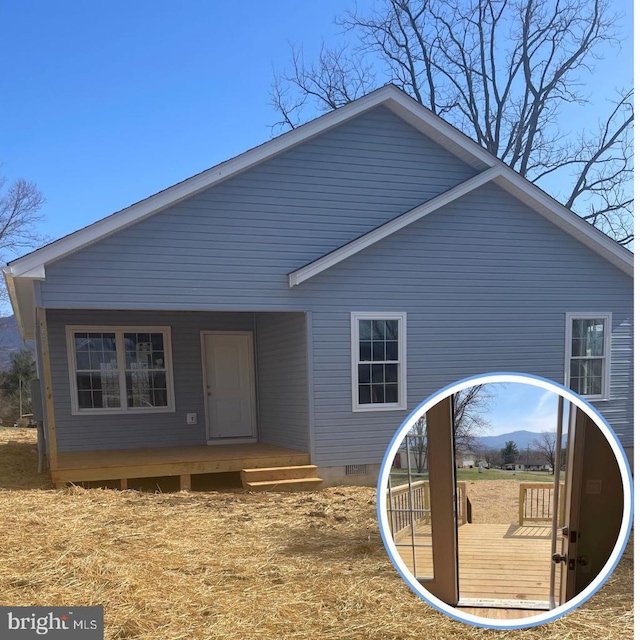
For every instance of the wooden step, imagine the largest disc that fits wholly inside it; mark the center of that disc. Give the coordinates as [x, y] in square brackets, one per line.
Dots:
[287, 478]
[279, 473]
[289, 484]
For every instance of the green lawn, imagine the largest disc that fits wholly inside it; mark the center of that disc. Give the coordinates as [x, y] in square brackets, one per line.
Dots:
[500, 474]
[398, 477]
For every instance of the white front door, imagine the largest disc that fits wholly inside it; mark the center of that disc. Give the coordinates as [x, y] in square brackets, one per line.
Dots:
[229, 385]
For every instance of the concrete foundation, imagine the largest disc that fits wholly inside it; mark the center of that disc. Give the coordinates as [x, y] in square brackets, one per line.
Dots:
[338, 476]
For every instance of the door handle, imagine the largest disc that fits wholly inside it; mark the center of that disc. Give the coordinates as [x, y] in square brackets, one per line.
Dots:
[559, 557]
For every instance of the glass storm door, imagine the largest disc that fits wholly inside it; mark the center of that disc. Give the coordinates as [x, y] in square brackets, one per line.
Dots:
[421, 503]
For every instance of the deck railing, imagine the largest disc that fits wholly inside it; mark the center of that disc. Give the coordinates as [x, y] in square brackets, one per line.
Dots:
[407, 506]
[461, 494]
[536, 502]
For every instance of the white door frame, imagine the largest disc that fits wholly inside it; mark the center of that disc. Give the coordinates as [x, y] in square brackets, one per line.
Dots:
[252, 376]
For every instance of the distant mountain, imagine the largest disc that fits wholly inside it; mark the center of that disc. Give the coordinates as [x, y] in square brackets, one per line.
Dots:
[10, 340]
[523, 439]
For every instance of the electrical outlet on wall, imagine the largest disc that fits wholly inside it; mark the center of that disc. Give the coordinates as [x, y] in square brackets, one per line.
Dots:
[192, 418]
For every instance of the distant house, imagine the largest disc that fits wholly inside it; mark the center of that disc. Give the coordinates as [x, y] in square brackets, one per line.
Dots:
[529, 461]
[293, 304]
[465, 459]
[534, 461]
[414, 459]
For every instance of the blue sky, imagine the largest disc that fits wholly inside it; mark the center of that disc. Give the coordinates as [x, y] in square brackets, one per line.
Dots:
[515, 406]
[106, 103]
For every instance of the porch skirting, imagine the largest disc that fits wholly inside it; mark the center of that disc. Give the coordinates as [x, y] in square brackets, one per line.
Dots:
[120, 464]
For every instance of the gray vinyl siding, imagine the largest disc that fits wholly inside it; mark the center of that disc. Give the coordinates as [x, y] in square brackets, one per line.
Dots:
[486, 282]
[123, 431]
[282, 379]
[231, 246]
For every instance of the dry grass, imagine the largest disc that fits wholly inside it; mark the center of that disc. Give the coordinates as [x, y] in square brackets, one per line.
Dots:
[232, 564]
[494, 501]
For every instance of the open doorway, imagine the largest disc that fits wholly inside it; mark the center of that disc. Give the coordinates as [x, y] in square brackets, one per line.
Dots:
[519, 535]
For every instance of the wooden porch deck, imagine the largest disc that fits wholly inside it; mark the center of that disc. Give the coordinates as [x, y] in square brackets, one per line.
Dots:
[121, 464]
[496, 562]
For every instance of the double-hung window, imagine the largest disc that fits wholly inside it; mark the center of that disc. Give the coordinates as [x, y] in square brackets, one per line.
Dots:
[378, 361]
[587, 354]
[120, 369]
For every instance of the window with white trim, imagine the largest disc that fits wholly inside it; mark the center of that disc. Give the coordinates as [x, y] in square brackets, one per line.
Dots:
[120, 369]
[587, 354]
[378, 360]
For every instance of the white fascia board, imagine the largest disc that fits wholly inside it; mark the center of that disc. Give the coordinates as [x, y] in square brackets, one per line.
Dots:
[33, 265]
[22, 297]
[13, 298]
[136, 212]
[442, 132]
[37, 273]
[567, 220]
[525, 191]
[387, 229]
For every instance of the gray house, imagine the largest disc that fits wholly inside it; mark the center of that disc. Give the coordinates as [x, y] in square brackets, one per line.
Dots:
[290, 306]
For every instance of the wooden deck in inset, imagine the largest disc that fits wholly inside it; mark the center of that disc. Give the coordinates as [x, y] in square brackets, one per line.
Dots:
[495, 561]
[120, 464]
[500, 614]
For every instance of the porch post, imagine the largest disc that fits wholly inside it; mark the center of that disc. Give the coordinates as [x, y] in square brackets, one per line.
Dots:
[41, 319]
[310, 387]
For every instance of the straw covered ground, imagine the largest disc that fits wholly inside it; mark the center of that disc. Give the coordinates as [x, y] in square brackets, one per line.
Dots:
[231, 564]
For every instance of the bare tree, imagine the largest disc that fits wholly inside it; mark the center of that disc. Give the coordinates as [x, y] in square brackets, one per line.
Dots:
[417, 446]
[15, 388]
[469, 407]
[490, 456]
[545, 446]
[20, 204]
[501, 71]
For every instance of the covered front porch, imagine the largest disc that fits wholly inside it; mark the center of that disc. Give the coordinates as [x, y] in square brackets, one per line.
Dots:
[140, 394]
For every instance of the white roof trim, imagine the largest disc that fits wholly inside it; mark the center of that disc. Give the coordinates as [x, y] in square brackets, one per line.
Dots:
[509, 180]
[389, 96]
[566, 219]
[344, 252]
[31, 267]
[13, 298]
[22, 296]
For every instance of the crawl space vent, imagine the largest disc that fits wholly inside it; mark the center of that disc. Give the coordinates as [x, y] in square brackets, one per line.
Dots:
[357, 469]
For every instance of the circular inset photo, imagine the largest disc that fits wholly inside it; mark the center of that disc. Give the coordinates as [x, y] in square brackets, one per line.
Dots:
[505, 500]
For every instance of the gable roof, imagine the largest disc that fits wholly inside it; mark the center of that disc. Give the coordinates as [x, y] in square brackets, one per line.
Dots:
[20, 274]
[32, 264]
[513, 183]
